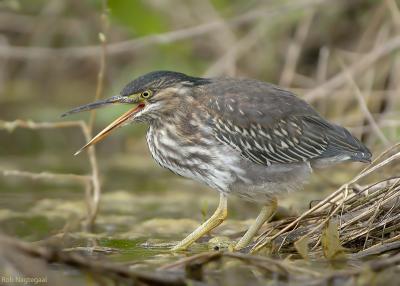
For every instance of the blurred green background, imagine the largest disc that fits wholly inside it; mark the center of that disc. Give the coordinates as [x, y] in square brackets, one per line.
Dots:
[50, 57]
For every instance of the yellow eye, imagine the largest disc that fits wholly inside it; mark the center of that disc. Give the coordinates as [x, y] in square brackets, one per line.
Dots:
[146, 94]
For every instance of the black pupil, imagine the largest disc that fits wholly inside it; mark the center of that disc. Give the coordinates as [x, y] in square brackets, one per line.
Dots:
[145, 94]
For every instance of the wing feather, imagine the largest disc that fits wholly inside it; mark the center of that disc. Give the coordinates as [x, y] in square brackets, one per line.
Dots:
[268, 125]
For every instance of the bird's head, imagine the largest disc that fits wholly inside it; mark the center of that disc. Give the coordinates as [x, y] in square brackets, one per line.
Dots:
[153, 95]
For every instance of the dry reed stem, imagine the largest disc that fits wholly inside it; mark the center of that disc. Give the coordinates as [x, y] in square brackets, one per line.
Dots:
[93, 194]
[339, 198]
[286, 269]
[295, 48]
[359, 66]
[32, 53]
[28, 124]
[360, 225]
[394, 12]
[262, 262]
[114, 271]
[263, 242]
[225, 39]
[363, 106]
[323, 64]
[47, 176]
[374, 33]
[239, 48]
[251, 39]
[368, 211]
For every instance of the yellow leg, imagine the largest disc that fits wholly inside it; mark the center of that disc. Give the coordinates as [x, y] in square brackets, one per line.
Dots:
[266, 214]
[215, 220]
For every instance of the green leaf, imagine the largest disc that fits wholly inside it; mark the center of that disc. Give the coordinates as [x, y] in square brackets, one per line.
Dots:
[330, 242]
[140, 18]
[301, 246]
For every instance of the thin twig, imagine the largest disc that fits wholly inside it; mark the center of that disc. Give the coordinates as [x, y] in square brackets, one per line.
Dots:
[47, 176]
[108, 269]
[364, 107]
[239, 48]
[358, 67]
[394, 12]
[93, 194]
[94, 179]
[30, 53]
[294, 50]
[338, 197]
[19, 123]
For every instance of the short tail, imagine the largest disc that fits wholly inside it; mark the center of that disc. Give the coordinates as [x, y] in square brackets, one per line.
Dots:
[341, 144]
[341, 141]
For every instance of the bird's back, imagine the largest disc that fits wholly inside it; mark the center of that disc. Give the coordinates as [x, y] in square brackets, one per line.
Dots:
[269, 125]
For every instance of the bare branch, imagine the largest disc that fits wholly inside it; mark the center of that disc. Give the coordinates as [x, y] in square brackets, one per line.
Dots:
[108, 269]
[355, 69]
[18, 123]
[294, 50]
[47, 176]
[336, 200]
[394, 11]
[94, 194]
[364, 107]
[92, 188]
[128, 46]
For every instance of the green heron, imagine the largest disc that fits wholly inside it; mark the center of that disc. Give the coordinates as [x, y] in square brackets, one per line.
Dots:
[238, 136]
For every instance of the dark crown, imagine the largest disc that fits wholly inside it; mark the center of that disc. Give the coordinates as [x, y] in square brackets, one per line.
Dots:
[161, 80]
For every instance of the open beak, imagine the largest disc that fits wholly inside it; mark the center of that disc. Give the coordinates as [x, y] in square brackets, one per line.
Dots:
[115, 124]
